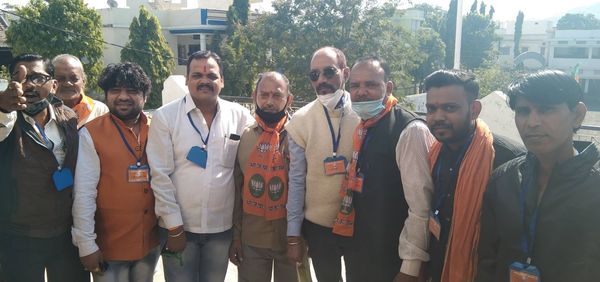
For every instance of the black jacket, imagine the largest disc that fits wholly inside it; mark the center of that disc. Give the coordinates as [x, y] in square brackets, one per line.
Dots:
[567, 238]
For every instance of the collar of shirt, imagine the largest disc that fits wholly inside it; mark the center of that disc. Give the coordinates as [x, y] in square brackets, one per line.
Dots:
[189, 104]
[52, 119]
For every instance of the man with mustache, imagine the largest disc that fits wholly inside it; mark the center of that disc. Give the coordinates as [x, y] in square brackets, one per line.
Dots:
[387, 189]
[461, 163]
[539, 218]
[71, 78]
[259, 234]
[192, 146]
[114, 224]
[38, 153]
[320, 141]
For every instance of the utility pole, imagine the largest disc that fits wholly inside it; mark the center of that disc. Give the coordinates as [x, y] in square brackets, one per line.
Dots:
[458, 36]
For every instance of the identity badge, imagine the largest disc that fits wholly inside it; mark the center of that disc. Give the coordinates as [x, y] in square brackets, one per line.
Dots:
[62, 178]
[356, 183]
[520, 272]
[198, 156]
[434, 225]
[335, 165]
[138, 174]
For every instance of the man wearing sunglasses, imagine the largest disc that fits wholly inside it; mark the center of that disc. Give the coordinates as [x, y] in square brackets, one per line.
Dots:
[320, 144]
[38, 149]
[68, 71]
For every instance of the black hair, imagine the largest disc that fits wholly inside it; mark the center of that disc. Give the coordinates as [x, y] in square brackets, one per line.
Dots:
[341, 58]
[443, 78]
[31, 57]
[382, 63]
[548, 87]
[199, 55]
[126, 74]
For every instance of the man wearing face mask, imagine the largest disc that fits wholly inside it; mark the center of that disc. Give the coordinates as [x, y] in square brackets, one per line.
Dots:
[386, 192]
[320, 142]
[259, 234]
[69, 73]
[38, 149]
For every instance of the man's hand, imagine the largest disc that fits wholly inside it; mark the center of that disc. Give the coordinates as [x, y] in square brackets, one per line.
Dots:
[12, 98]
[92, 262]
[235, 252]
[176, 240]
[294, 249]
[401, 277]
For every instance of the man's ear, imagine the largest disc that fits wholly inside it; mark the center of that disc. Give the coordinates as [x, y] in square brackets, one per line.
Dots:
[346, 73]
[475, 109]
[389, 87]
[290, 100]
[580, 111]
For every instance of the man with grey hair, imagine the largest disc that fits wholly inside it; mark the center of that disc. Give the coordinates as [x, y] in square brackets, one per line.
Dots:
[69, 73]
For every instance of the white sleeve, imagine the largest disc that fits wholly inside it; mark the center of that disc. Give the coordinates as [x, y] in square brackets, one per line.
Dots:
[412, 157]
[7, 123]
[162, 164]
[87, 175]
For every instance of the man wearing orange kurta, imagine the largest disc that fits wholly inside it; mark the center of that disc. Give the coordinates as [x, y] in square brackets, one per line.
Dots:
[115, 227]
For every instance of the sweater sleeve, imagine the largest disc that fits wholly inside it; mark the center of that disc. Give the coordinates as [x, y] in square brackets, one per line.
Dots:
[488, 240]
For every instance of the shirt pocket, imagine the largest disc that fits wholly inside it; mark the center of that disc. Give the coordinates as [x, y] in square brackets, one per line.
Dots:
[229, 152]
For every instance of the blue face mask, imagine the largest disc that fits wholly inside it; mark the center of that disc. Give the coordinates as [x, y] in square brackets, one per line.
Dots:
[368, 109]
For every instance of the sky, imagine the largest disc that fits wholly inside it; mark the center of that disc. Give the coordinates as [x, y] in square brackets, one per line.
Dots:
[506, 10]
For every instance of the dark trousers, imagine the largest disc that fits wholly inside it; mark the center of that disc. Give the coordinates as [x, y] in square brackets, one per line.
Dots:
[24, 259]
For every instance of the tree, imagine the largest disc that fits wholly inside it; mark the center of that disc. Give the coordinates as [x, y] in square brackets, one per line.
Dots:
[494, 78]
[57, 27]
[482, 8]
[432, 46]
[237, 14]
[478, 38]
[474, 7]
[492, 11]
[518, 32]
[578, 21]
[450, 34]
[148, 48]
[434, 17]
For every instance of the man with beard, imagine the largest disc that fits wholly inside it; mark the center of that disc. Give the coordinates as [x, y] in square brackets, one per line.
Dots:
[387, 189]
[539, 219]
[320, 143]
[69, 73]
[259, 217]
[114, 224]
[192, 146]
[461, 162]
[38, 149]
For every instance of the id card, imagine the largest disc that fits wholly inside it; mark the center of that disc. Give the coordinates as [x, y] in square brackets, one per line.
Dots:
[136, 174]
[356, 183]
[335, 165]
[434, 225]
[520, 272]
[198, 156]
[62, 178]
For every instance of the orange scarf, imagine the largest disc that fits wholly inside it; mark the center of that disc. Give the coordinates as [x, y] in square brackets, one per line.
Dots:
[475, 170]
[83, 109]
[344, 221]
[266, 169]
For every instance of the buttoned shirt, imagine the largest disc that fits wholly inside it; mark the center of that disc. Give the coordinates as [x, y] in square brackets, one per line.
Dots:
[200, 199]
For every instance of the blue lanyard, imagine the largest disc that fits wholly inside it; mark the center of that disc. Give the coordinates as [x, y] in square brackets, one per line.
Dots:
[455, 169]
[335, 141]
[137, 159]
[205, 141]
[528, 234]
[47, 141]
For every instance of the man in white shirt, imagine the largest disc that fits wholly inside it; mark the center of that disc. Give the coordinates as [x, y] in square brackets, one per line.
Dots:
[71, 78]
[192, 146]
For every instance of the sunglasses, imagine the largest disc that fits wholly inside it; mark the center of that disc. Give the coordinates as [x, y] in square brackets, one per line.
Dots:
[328, 72]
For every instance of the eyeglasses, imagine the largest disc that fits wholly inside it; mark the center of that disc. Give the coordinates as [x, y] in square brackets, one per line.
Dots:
[328, 72]
[37, 79]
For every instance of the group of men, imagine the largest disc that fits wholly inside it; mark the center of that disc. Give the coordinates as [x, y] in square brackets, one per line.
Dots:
[87, 187]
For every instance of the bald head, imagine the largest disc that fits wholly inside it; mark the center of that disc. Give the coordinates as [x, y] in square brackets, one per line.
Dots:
[331, 51]
[272, 92]
[71, 78]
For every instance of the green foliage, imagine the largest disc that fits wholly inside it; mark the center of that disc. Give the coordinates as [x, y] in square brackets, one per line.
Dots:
[578, 21]
[75, 17]
[482, 8]
[494, 78]
[478, 39]
[432, 46]
[435, 17]
[474, 7]
[4, 74]
[518, 32]
[450, 33]
[148, 48]
[492, 11]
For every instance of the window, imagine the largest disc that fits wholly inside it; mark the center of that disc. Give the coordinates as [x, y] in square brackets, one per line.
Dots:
[193, 48]
[570, 52]
[504, 50]
[524, 49]
[563, 42]
[181, 54]
[596, 53]
[580, 42]
[543, 51]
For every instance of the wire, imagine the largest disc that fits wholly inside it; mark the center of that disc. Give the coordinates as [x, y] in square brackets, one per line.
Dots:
[88, 37]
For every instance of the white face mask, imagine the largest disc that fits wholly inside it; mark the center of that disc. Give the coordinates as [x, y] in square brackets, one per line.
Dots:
[368, 109]
[331, 100]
